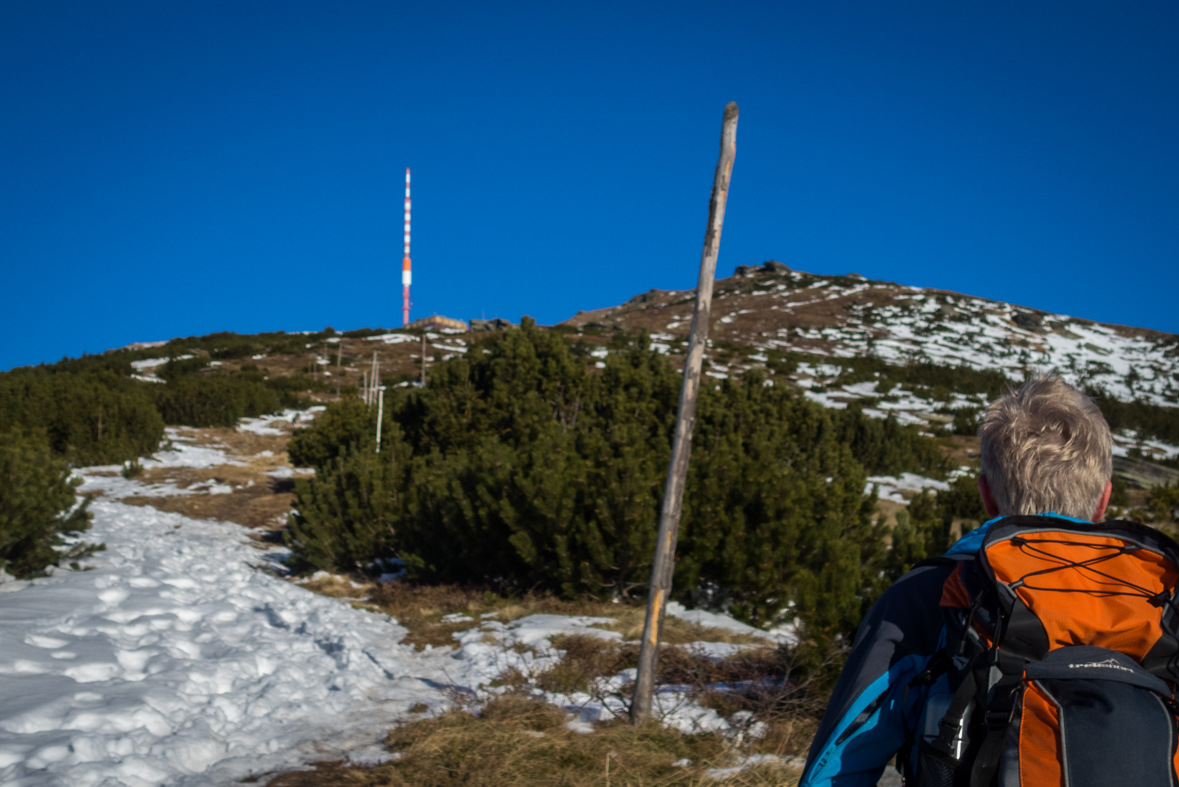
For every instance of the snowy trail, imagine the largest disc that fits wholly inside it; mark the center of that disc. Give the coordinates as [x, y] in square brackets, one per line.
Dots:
[176, 661]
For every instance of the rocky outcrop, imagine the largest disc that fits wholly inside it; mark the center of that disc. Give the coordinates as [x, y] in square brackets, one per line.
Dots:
[769, 266]
[498, 324]
[647, 297]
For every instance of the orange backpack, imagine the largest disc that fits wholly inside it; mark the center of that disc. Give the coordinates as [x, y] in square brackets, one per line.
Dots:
[1061, 660]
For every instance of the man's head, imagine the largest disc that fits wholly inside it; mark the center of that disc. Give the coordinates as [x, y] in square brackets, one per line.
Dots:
[1045, 447]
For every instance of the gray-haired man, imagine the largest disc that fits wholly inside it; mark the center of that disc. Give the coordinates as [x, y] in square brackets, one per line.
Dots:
[1046, 450]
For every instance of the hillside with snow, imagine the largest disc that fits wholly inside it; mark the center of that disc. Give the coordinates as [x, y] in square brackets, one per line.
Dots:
[771, 309]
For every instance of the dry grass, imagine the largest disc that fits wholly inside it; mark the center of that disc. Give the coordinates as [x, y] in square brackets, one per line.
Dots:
[962, 449]
[242, 444]
[629, 622]
[263, 503]
[420, 608]
[337, 587]
[258, 500]
[760, 683]
[519, 742]
[516, 740]
[258, 509]
[586, 658]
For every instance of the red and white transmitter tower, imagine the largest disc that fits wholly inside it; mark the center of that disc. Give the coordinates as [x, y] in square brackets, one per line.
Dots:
[406, 271]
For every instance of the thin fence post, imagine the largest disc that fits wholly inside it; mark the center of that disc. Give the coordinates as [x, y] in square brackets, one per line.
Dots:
[681, 447]
[380, 414]
[423, 359]
[372, 382]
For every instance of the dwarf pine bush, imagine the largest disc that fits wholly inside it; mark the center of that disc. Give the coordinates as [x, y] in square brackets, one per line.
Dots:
[89, 413]
[520, 465]
[92, 411]
[193, 400]
[37, 506]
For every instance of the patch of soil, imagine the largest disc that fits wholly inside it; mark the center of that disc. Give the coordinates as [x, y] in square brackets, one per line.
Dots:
[256, 506]
[258, 499]
[243, 445]
[888, 510]
[963, 449]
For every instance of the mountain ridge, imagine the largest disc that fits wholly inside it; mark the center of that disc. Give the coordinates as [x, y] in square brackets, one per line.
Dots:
[775, 307]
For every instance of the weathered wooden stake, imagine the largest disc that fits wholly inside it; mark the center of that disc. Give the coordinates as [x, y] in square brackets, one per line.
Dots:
[681, 447]
[380, 414]
[372, 382]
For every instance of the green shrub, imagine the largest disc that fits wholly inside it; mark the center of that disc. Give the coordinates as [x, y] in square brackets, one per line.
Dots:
[93, 412]
[521, 466]
[885, 447]
[342, 426]
[362, 333]
[37, 506]
[1163, 504]
[925, 528]
[539, 471]
[1119, 493]
[177, 368]
[193, 400]
[1150, 421]
[925, 378]
[347, 515]
[119, 363]
[775, 509]
[966, 420]
[89, 412]
[226, 345]
[289, 390]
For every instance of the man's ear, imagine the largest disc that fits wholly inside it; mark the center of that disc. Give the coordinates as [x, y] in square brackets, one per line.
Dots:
[988, 500]
[1101, 506]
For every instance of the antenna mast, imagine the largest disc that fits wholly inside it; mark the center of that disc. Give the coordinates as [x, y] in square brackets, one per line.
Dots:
[406, 273]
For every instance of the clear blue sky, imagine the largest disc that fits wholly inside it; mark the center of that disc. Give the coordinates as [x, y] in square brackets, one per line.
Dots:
[171, 168]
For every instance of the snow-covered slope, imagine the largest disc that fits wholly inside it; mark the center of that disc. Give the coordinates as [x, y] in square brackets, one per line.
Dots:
[844, 316]
[177, 660]
[771, 308]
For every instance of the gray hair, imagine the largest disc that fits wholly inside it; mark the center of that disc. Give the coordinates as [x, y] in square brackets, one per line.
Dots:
[1046, 447]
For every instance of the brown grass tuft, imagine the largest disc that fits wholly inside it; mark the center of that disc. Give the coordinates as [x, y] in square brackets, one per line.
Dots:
[518, 742]
[420, 608]
[586, 657]
[336, 587]
[761, 684]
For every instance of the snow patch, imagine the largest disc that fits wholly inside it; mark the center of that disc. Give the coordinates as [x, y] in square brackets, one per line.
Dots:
[175, 660]
[891, 487]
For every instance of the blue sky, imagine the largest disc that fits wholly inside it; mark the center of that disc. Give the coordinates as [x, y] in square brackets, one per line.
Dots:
[169, 169]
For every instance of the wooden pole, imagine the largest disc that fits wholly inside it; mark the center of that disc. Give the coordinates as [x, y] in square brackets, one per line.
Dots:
[380, 414]
[681, 447]
[423, 359]
[372, 382]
